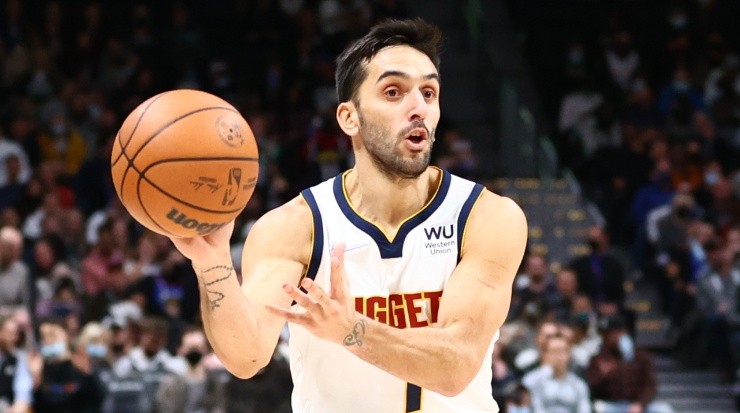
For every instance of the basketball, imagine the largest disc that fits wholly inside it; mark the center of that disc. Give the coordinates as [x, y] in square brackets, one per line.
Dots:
[184, 163]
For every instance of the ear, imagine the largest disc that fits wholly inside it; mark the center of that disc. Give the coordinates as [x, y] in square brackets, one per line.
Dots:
[348, 119]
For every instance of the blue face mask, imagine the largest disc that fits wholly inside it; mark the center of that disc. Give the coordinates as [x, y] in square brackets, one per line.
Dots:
[97, 350]
[627, 347]
[55, 350]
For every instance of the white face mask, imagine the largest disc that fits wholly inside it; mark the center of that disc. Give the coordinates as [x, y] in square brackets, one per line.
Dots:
[627, 347]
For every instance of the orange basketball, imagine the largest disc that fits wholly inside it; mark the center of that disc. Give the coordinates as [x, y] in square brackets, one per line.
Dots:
[184, 163]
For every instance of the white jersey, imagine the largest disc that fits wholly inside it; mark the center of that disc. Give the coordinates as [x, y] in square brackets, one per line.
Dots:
[397, 282]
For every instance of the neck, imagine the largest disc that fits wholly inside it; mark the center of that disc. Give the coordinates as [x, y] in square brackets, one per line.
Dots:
[557, 372]
[386, 201]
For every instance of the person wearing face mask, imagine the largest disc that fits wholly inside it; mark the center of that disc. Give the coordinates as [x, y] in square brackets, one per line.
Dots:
[600, 275]
[621, 377]
[91, 350]
[61, 385]
[196, 391]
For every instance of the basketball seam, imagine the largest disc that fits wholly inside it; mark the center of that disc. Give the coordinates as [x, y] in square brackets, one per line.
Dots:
[143, 207]
[142, 175]
[136, 126]
[128, 141]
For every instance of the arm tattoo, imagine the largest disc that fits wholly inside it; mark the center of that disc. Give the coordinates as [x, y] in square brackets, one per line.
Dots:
[217, 295]
[356, 335]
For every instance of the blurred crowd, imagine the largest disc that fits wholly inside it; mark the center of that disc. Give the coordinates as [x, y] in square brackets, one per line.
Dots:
[643, 103]
[99, 315]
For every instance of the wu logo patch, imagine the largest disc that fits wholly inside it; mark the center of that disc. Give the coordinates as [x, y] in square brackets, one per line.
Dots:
[440, 239]
[445, 232]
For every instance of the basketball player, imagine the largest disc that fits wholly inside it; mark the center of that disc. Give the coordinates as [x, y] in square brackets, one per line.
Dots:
[394, 276]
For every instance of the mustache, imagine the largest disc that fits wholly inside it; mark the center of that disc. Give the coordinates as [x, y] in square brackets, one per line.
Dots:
[414, 125]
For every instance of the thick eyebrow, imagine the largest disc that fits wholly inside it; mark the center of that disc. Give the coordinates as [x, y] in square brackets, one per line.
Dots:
[398, 73]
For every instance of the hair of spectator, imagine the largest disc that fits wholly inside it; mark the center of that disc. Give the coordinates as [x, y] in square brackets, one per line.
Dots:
[417, 33]
[156, 326]
[557, 336]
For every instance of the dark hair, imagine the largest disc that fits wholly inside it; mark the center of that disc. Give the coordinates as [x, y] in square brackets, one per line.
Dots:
[417, 33]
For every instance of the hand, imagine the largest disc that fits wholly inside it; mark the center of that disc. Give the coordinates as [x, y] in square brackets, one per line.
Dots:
[81, 360]
[207, 247]
[327, 316]
[35, 364]
[634, 408]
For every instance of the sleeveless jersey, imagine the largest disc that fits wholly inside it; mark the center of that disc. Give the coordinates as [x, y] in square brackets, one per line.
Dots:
[398, 282]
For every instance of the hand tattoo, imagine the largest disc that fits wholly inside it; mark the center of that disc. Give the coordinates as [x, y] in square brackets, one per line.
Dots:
[214, 302]
[358, 332]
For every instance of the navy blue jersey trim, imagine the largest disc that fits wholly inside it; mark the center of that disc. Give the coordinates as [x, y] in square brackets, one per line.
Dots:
[318, 234]
[462, 219]
[387, 248]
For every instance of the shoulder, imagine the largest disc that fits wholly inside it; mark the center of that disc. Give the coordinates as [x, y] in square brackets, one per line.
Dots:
[286, 231]
[294, 217]
[498, 222]
[503, 210]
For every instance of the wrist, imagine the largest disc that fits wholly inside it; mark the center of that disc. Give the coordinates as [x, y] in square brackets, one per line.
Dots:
[213, 260]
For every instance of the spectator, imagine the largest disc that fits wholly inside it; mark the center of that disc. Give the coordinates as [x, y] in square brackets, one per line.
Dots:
[62, 143]
[505, 380]
[197, 390]
[717, 298]
[566, 288]
[268, 391]
[20, 173]
[96, 265]
[150, 362]
[16, 383]
[622, 60]
[620, 376]
[14, 275]
[553, 388]
[600, 275]
[11, 192]
[535, 284]
[528, 359]
[59, 384]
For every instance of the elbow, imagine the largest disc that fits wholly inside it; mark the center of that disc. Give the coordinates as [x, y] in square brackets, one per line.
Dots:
[452, 385]
[243, 368]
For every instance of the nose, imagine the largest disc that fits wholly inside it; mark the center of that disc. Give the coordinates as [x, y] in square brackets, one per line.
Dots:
[418, 107]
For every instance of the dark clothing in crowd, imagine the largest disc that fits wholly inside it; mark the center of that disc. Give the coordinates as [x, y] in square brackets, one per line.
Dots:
[633, 380]
[64, 389]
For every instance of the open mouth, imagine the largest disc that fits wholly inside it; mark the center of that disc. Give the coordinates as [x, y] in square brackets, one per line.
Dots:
[417, 135]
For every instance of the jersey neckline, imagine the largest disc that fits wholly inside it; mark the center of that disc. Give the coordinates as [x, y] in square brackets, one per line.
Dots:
[390, 248]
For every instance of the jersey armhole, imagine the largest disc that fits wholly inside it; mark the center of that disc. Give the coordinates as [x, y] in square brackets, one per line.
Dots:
[317, 235]
[462, 219]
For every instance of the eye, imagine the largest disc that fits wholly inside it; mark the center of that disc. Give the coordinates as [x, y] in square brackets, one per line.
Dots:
[392, 92]
[429, 94]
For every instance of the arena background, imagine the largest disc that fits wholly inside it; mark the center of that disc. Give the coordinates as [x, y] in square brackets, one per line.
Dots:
[614, 124]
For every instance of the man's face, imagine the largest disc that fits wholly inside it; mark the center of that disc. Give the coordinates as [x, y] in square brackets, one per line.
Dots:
[52, 333]
[557, 353]
[566, 283]
[193, 341]
[536, 267]
[399, 110]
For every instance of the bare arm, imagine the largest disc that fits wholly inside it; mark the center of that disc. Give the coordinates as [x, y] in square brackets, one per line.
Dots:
[243, 334]
[446, 356]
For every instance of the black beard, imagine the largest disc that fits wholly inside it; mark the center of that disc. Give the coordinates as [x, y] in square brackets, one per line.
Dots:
[383, 155]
